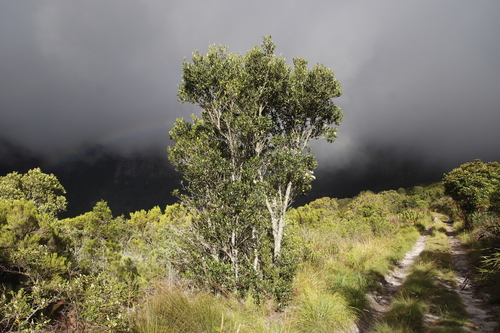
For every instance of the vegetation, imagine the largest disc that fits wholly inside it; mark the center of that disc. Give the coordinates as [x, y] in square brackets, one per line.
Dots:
[85, 272]
[475, 188]
[232, 256]
[428, 292]
[97, 272]
[246, 158]
[43, 190]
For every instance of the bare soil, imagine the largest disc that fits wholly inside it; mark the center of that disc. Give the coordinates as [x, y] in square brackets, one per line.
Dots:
[482, 318]
[381, 299]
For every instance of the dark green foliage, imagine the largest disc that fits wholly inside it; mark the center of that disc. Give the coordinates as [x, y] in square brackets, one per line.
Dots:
[246, 157]
[475, 189]
[83, 273]
[474, 186]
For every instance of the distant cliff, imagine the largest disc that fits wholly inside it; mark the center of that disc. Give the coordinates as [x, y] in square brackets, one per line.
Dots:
[142, 181]
[126, 183]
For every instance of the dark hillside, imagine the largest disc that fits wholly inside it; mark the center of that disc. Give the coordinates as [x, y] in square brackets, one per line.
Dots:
[127, 184]
[131, 183]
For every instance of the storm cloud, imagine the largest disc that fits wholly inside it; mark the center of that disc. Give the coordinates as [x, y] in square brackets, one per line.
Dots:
[420, 78]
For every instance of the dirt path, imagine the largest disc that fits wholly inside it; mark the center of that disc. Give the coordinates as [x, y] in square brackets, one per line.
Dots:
[380, 300]
[484, 321]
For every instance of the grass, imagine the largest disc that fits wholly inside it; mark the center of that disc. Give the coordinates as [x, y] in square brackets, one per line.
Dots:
[172, 309]
[322, 312]
[484, 252]
[329, 290]
[428, 292]
[343, 276]
[175, 309]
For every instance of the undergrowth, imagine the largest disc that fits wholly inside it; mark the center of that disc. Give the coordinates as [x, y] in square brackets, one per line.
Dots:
[328, 290]
[484, 252]
[100, 273]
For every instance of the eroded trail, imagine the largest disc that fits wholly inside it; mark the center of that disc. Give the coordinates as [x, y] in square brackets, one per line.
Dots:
[381, 299]
[482, 318]
[479, 317]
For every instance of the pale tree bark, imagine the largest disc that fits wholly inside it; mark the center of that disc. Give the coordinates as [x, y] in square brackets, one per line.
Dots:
[277, 208]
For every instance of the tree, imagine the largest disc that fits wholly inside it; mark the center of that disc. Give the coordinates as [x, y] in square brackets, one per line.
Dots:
[43, 189]
[473, 186]
[247, 156]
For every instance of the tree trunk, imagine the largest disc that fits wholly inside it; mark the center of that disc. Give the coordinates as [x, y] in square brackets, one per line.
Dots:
[277, 207]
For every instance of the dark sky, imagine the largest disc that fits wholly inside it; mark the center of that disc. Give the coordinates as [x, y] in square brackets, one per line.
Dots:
[421, 79]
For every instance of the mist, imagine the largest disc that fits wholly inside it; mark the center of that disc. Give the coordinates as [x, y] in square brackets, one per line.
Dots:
[420, 78]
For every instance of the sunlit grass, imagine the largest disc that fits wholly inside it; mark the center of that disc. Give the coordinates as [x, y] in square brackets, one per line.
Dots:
[172, 309]
[329, 289]
[322, 312]
[428, 290]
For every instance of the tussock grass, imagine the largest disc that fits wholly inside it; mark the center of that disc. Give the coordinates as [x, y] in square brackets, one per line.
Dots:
[172, 309]
[317, 308]
[408, 312]
[330, 288]
[344, 262]
[322, 312]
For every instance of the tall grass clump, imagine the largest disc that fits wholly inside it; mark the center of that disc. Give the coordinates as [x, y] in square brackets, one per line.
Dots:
[172, 309]
[323, 312]
[407, 313]
[317, 308]
[350, 248]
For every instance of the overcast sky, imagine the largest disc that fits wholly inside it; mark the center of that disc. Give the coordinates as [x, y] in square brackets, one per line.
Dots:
[419, 77]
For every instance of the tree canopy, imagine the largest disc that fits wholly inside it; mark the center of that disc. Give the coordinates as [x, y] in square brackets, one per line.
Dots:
[43, 189]
[246, 156]
[473, 186]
